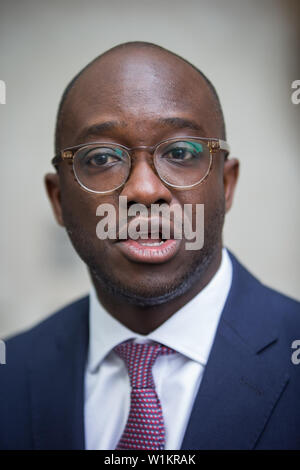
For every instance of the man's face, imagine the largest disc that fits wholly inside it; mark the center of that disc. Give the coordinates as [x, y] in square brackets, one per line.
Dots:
[136, 90]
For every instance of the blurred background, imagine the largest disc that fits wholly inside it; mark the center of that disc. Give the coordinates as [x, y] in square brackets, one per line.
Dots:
[249, 49]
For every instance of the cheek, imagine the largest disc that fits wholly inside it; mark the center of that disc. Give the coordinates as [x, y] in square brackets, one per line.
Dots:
[79, 207]
[210, 194]
[214, 213]
[214, 196]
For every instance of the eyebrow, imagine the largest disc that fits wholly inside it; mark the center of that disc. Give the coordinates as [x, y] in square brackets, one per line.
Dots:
[99, 128]
[173, 122]
[179, 123]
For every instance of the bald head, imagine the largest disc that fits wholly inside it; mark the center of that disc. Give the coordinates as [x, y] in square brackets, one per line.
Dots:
[141, 73]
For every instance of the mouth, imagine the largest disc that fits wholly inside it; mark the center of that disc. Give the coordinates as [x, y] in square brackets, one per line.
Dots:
[149, 250]
[150, 247]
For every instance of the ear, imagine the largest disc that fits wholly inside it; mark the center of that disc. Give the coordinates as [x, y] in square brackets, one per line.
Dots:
[231, 173]
[52, 184]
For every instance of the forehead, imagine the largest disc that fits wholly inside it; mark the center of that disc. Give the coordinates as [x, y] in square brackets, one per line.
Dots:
[138, 89]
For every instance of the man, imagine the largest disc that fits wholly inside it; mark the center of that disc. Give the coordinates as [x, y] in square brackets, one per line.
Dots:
[174, 348]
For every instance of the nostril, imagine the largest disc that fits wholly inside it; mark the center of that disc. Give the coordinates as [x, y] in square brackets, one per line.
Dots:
[161, 201]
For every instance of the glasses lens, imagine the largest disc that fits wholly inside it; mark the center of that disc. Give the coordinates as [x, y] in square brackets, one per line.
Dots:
[101, 168]
[182, 162]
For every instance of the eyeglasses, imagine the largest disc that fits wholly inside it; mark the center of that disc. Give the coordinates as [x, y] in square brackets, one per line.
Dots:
[181, 162]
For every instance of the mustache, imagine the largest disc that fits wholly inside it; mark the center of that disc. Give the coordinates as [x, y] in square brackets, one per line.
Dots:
[150, 227]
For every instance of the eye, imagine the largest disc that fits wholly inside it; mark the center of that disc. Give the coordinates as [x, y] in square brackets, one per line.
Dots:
[179, 154]
[101, 157]
[183, 152]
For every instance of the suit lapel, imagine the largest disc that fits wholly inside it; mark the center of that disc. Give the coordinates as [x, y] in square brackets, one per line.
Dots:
[239, 389]
[240, 386]
[57, 381]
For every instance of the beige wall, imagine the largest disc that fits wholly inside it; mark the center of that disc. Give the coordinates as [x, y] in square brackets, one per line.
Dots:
[249, 49]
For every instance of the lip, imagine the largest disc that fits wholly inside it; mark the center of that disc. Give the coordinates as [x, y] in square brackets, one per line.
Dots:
[134, 250]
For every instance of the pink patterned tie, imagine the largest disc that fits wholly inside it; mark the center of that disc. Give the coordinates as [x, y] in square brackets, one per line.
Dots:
[145, 425]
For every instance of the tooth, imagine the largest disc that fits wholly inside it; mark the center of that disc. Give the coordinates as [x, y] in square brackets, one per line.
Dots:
[152, 244]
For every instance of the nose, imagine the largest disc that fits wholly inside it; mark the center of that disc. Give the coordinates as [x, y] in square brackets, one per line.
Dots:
[144, 185]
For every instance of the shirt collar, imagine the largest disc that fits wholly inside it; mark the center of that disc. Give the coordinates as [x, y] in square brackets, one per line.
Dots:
[190, 331]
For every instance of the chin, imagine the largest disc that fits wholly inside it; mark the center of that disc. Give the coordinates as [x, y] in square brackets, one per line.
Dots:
[143, 293]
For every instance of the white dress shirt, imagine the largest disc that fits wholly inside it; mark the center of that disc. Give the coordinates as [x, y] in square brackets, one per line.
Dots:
[190, 331]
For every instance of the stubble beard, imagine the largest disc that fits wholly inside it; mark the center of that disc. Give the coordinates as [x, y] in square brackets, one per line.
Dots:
[111, 286]
[179, 286]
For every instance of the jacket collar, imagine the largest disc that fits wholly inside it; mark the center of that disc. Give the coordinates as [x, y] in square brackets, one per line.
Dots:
[240, 385]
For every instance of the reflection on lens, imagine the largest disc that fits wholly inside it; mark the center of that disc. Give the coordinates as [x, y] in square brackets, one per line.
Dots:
[182, 163]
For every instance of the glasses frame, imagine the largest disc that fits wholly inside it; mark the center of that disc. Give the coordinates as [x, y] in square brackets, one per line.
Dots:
[214, 145]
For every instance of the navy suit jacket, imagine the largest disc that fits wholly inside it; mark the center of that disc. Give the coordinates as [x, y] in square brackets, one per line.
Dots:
[249, 397]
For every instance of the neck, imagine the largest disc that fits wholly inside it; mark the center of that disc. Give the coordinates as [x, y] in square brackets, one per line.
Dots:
[144, 319]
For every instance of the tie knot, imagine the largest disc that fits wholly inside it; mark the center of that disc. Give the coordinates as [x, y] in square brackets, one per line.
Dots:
[139, 359]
